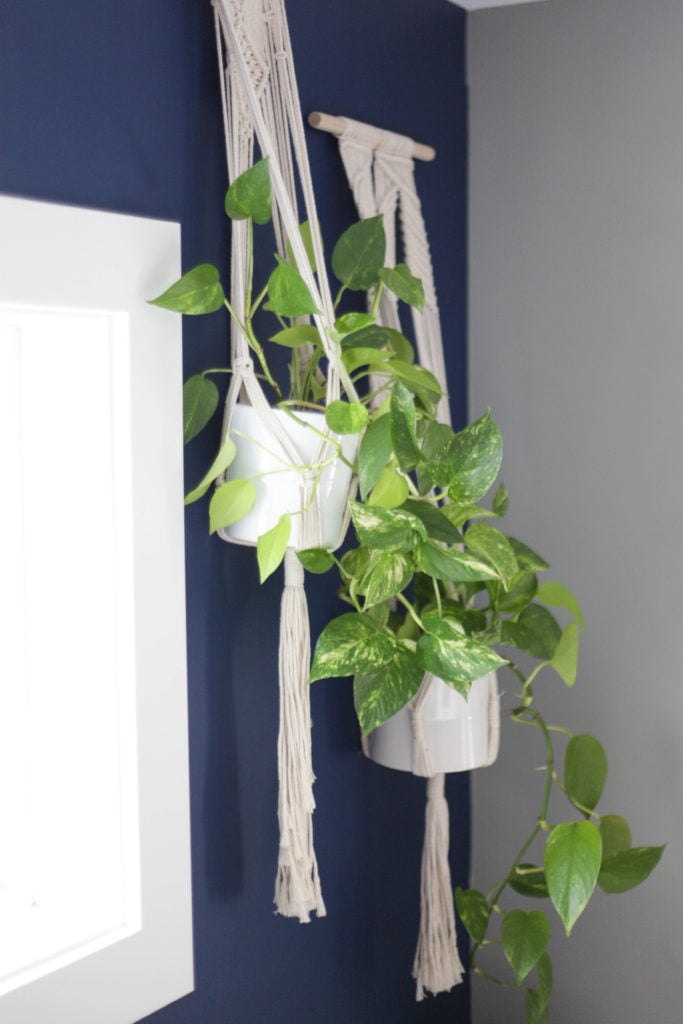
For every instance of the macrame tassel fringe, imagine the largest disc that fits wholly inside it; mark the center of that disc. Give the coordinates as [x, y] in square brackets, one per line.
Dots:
[437, 966]
[297, 886]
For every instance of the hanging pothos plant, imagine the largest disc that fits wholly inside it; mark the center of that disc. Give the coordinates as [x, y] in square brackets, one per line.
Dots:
[431, 583]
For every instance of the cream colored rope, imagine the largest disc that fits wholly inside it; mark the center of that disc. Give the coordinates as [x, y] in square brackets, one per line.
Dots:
[260, 102]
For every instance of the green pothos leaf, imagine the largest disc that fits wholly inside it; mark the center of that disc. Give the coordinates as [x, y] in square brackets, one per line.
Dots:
[566, 656]
[380, 693]
[558, 596]
[525, 938]
[473, 911]
[226, 454]
[616, 834]
[349, 644]
[230, 502]
[404, 285]
[288, 292]
[585, 770]
[197, 291]
[403, 427]
[388, 573]
[272, 545]
[573, 853]
[450, 654]
[391, 490]
[316, 560]
[250, 195]
[452, 565]
[358, 256]
[394, 529]
[346, 417]
[466, 463]
[493, 546]
[625, 869]
[374, 453]
[297, 335]
[200, 401]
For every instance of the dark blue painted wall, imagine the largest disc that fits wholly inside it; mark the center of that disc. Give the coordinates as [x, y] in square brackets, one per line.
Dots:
[114, 104]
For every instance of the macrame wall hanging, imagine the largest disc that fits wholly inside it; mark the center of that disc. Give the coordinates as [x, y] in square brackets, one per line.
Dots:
[260, 103]
[380, 169]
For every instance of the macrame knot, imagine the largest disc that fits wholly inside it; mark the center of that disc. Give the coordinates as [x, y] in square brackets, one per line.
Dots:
[242, 365]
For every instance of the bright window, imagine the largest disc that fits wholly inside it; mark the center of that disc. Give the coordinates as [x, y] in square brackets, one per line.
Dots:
[93, 750]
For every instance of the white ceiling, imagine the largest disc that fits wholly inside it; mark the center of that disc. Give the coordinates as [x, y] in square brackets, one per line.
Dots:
[475, 5]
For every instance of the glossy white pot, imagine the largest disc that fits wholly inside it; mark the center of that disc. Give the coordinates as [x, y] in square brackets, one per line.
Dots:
[459, 734]
[278, 489]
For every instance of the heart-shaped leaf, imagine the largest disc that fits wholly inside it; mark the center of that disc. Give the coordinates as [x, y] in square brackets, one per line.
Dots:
[197, 291]
[230, 502]
[585, 770]
[250, 194]
[573, 853]
[316, 560]
[525, 937]
[616, 834]
[404, 285]
[451, 655]
[529, 880]
[403, 427]
[297, 335]
[349, 644]
[200, 401]
[566, 657]
[473, 911]
[288, 292]
[390, 491]
[380, 693]
[272, 545]
[226, 454]
[494, 547]
[469, 461]
[346, 417]
[393, 529]
[559, 596]
[374, 453]
[452, 565]
[388, 573]
[626, 869]
[358, 256]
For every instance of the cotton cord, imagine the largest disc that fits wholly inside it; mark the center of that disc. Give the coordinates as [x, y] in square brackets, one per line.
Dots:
[260, 102]
[297, 885]
[437, 966]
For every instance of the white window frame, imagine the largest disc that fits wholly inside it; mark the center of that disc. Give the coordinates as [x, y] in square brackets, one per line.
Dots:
[55, 257]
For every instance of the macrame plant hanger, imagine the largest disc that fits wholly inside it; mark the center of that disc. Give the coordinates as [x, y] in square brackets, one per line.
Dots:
[260, 101]
[380, 168]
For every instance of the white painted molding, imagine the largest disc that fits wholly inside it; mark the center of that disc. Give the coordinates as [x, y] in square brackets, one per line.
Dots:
[476, 5]
[93, 540]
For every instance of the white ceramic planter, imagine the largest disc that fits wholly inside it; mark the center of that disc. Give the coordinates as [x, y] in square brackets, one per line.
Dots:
[459, 735]
[278, 489]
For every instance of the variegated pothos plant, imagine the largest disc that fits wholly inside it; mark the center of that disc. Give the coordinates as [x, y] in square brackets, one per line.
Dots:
[431, 582]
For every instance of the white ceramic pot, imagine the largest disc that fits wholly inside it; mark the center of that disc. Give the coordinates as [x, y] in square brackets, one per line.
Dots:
[458, 733]
[278, 489]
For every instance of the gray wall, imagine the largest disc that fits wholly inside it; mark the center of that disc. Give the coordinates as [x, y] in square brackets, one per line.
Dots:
[576, 271]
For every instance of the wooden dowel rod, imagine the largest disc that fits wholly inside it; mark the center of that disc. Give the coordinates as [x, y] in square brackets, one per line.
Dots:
[336, 125]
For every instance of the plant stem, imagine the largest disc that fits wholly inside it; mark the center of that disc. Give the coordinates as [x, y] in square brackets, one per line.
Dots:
[530, 716]
[413, 614]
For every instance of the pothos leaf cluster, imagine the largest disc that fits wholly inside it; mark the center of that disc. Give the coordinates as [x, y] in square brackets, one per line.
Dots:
[432, 584]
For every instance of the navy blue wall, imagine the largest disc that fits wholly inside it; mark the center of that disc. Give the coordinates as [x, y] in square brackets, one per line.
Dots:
[114, 104]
